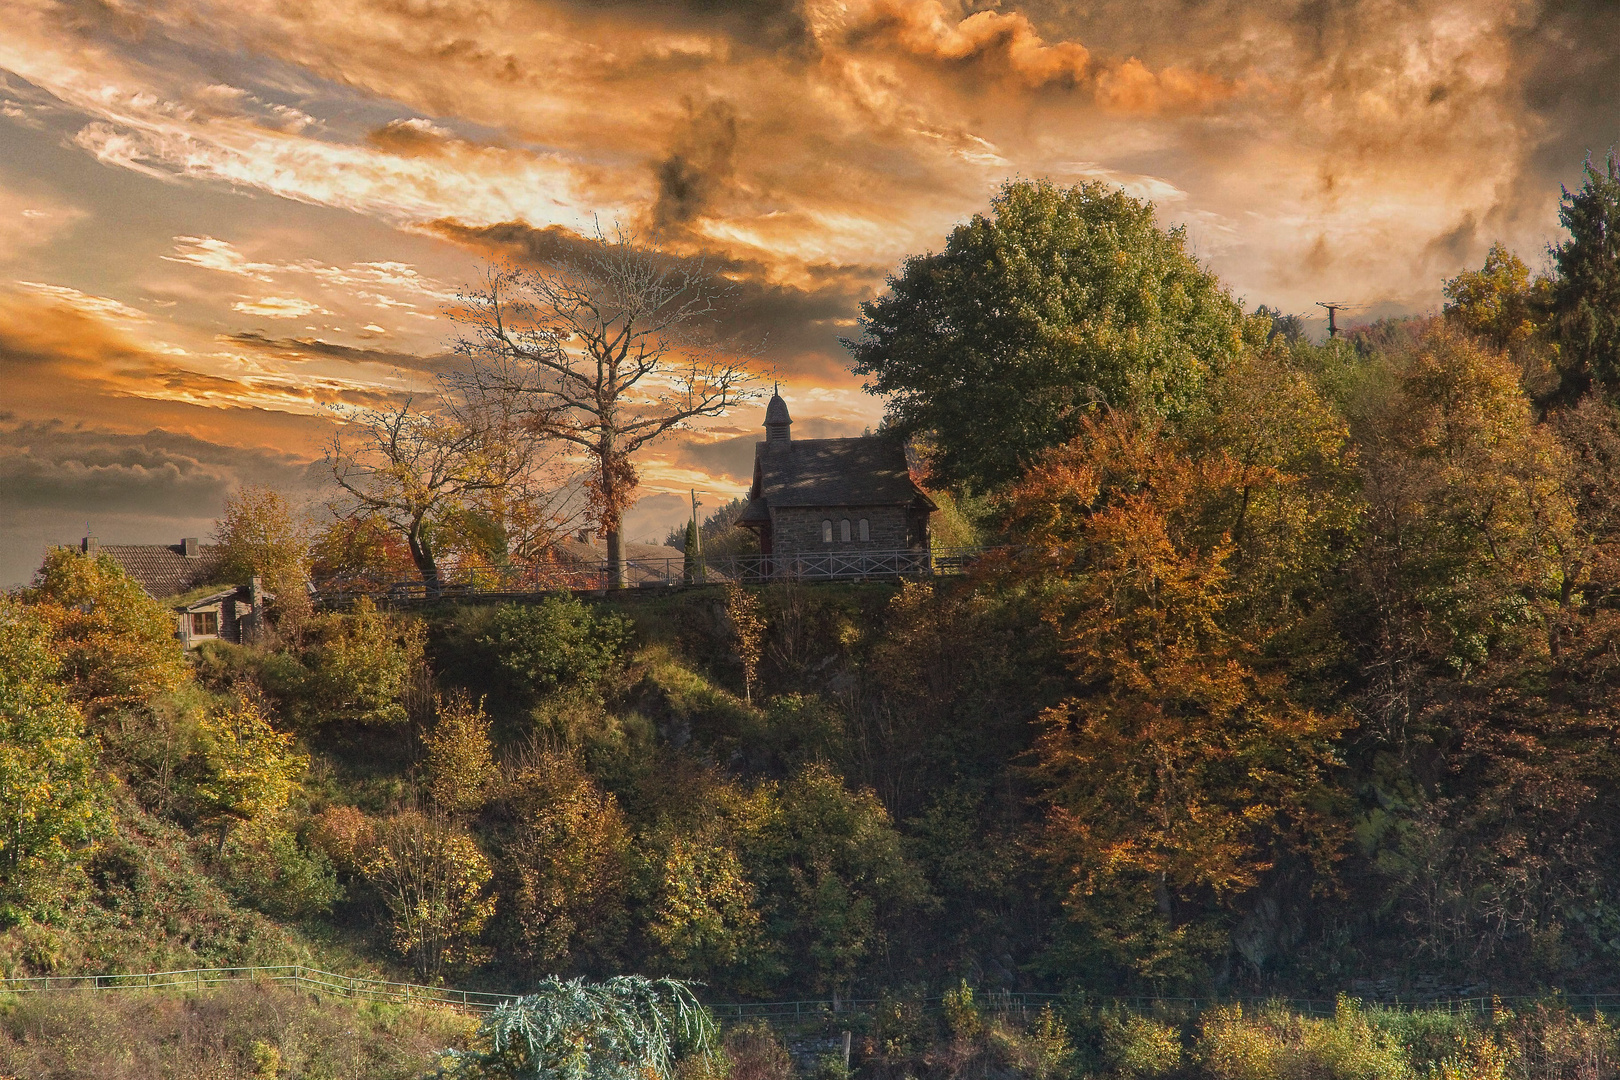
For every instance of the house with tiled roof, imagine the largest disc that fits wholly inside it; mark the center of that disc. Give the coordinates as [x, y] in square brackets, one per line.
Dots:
[823, 496]
[169, 571]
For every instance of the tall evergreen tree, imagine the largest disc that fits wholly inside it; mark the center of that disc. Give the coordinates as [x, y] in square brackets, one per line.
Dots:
[1586, 295]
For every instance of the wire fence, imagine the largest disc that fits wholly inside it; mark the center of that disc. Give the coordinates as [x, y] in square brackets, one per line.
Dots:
[299, 975]
[844, 1010]
[661, 573]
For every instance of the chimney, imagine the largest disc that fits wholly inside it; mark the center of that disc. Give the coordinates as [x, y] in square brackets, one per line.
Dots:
[91, 545]
[587, 536]
[190, 546]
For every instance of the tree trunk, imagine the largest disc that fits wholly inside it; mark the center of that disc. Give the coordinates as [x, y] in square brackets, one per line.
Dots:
[615, 559]
[426, 565]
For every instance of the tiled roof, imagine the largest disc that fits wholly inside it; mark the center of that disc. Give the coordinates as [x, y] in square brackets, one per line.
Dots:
[164, 570]
[868, 471]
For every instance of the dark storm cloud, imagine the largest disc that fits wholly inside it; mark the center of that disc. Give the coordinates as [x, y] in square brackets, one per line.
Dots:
[776, 25]
[307, 349]
[57, 466]
[699, 166]
[799, 324]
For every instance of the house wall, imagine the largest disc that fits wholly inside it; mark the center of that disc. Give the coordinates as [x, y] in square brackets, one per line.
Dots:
[798, 529]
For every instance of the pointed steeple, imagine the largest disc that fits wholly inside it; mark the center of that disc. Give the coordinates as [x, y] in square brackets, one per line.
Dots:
[777, 421]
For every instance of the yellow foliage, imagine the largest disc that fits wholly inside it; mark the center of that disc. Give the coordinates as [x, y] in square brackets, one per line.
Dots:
[432, 875]
[116, 645]
[703, 915]
[244, 769]
[460, 756]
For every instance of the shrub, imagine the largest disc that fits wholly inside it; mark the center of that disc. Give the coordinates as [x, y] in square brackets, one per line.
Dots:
[1141, 1047]
[266, 866]
[556, 644]
[1275, 1044]
[431, 874]
[51, 794]
[363, 667]
[755, 1053]
[627, 1028]
[460, 758]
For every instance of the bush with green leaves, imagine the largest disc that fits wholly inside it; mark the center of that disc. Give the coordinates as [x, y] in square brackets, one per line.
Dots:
[556, 644]
[363, 667]
[51, 792]
[626, 1028]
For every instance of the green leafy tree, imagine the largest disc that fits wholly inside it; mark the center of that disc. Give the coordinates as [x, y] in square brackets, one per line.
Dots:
[363, 667]
[626, 1028]
[116, 645]
[1059, 300]
[1586, 292]
[832, 878]
[51, 793]
[556, 644]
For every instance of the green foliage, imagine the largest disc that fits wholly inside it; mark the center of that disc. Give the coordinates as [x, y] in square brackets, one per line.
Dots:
[556, 644]
[833, 880]
[266, 866]
[362, 667]
[626, 1028]
[1059, 300]
[1586, 292]
[52, 795]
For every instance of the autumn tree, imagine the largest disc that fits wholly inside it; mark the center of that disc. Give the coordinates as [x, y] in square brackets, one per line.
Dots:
[358, 552]
[242, 770]
[605, 349]
[1179, 772]
[456, 477]
[261, 534]
[748, 627]
[1057, 301]
[569, 858]
[51, 791]
[1508, 309]
[432, 875]
[116, 645]
[461, 765]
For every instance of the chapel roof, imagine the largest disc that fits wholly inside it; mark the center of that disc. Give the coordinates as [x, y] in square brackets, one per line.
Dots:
[867, 471]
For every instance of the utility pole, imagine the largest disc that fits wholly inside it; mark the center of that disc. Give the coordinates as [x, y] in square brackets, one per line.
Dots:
[1332, 310]
[697, 540]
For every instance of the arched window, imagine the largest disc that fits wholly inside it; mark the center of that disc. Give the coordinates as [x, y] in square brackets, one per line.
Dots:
[866, 529]
[843, 530]
[826, 531]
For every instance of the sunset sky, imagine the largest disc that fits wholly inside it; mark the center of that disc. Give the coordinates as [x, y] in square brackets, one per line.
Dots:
[218, 216]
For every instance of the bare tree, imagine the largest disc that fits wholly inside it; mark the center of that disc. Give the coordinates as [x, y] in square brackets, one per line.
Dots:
[606, 350]
[422, 470]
